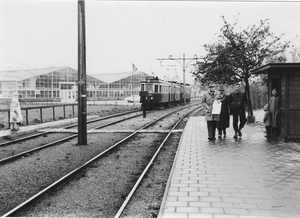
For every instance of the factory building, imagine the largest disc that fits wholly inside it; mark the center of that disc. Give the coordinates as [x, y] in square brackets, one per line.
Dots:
[61, 83]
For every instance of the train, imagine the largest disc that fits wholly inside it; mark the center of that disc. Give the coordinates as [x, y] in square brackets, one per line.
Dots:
[156, 93]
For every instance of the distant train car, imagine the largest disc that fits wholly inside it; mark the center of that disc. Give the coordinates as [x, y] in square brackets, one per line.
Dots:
[155, 92]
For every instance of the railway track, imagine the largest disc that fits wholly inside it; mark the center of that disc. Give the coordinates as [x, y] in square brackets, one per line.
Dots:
[35, 135]
[138, 182]
[64, 139]
[69, 176]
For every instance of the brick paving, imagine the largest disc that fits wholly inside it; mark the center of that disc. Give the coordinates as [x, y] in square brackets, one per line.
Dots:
[238, 178]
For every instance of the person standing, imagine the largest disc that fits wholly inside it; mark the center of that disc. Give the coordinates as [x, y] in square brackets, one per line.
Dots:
[274, 110]
[223, 122]
[211, 119]
[267, 120]
[238, 103]
[15, 113]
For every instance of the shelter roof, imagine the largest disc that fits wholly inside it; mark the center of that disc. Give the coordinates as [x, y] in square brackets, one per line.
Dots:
[18, 75]
[113, 77]
[265, 69]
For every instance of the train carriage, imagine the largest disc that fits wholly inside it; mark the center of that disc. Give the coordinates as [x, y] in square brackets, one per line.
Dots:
[155, 92]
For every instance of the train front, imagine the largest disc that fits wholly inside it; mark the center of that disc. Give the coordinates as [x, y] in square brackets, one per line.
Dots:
[149, 92]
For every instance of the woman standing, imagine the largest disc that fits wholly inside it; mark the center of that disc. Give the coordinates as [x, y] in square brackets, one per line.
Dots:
[223, 123]
[274, 111]
[15, 113]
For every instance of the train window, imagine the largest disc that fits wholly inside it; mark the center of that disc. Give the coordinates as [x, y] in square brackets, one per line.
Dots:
[160, 89]
[149, 87]
[156, 88]
[142, 87]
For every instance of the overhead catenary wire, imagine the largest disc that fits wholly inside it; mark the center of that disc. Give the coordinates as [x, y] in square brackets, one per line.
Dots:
[174, 35]
[108, 27]
[140, 26]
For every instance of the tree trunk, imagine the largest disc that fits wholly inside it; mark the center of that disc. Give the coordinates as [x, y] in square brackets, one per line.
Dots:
[247, 91]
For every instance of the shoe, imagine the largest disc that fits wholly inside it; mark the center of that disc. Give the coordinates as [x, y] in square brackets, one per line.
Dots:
[14, 130]
[240, 133]
[235, 135]
[219, 136]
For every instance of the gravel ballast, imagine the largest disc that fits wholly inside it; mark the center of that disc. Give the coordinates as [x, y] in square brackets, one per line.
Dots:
[107, 181]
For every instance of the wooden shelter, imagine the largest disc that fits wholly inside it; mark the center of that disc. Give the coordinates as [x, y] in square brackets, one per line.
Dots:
[285, 77]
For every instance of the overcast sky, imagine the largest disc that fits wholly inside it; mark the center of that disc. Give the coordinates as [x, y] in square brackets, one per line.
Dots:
[43, 33]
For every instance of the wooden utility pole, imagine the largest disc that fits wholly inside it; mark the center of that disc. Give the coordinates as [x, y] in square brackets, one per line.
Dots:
[82, 128]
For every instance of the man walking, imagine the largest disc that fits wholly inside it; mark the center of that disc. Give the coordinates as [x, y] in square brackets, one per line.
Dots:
[208, 100]
[238, 103]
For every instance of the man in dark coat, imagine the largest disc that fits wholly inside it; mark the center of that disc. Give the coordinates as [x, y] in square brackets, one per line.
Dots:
[223, 122]
[208, 100]
[238, 103]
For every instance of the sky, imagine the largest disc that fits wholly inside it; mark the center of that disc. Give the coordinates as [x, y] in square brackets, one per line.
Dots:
[44, 33]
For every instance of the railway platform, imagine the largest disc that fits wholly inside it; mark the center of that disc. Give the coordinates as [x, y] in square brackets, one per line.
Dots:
[250, 177]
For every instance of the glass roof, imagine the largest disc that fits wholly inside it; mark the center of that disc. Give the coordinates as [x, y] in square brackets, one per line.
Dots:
[19, 75]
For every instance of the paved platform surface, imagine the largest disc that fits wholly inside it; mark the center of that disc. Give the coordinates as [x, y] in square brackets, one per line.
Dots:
[248, 177]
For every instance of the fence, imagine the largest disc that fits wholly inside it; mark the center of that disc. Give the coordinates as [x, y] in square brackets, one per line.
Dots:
[44, 113]
[40, 109]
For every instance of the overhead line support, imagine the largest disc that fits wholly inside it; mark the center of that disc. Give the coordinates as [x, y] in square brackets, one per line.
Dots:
[184, 66]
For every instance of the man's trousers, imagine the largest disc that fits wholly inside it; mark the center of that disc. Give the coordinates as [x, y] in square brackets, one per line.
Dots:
[211, 128]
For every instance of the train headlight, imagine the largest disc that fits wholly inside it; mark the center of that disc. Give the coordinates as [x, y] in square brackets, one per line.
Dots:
[151, 98]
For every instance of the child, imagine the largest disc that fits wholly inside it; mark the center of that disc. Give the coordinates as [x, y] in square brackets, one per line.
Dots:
[267, 120]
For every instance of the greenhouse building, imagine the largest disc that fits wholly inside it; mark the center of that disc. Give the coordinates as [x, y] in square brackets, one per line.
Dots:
[60, 83]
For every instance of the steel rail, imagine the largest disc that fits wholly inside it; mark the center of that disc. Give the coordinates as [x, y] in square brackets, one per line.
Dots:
[67, 177]
[24, 153]
[66, 127]
[129, 196]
